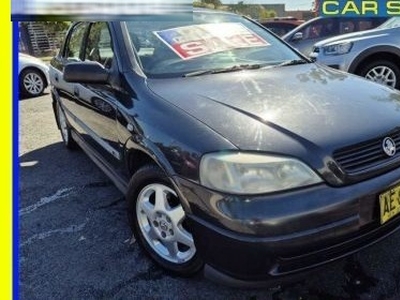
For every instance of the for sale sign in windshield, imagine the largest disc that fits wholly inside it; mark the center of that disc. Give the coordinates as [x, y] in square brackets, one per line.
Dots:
[203, 39]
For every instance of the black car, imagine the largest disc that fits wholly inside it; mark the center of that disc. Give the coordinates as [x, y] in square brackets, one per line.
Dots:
[238, 156]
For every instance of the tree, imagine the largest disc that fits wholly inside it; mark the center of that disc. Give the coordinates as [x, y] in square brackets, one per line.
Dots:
[216, 3]
[266, 14]
[201, 4]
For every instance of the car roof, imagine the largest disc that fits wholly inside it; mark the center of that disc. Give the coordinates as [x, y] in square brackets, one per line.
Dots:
[300, 27]
[358, 35]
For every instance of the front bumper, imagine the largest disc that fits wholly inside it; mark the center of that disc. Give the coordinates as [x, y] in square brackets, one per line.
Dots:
[339, 62]
[273, 237]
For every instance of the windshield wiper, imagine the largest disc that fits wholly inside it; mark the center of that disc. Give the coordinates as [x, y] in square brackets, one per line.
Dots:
[292, 63]
[245, 67]
[224, 70]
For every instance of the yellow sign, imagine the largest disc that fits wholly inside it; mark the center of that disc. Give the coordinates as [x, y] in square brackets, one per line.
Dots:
[353, 8]
[390, 204]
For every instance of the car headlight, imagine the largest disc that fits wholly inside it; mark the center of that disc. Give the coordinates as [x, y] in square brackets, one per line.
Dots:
[244, 173]
[338, 49]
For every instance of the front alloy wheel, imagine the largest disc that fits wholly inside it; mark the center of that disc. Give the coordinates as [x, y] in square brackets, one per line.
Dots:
[32, 83]
[160, 217]
[383, 72]
[159, 222]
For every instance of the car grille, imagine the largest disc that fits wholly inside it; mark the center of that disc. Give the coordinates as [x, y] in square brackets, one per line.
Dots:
[369, 154]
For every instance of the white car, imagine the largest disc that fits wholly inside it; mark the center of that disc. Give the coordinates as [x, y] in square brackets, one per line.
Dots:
[33, 75]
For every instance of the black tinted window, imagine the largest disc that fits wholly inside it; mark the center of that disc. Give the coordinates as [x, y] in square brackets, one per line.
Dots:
[75, 41]
[99, 46]
[321, 28]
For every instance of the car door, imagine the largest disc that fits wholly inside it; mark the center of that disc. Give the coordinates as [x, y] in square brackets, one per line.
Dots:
[71, 51]
[96, 104]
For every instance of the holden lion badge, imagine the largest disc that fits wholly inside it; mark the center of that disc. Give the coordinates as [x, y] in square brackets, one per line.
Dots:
[389, 146]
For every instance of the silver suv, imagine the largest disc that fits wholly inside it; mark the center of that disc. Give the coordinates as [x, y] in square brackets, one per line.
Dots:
[307, 34]
[373, 54]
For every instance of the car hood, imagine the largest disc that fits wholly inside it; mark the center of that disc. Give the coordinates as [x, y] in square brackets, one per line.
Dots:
[292, 110]
[360, 35]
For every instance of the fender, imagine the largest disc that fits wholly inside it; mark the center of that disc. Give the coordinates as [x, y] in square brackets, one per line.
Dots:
[145, 146]
[371, 51]
[139, 143]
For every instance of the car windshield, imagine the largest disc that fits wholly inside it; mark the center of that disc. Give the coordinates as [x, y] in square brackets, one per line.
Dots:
[391, 23]
[210, 42]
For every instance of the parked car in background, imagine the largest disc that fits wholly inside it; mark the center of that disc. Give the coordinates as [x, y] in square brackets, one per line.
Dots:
[281, 26]
[373, 54]
[306, 35]
[33, 75]
[238, 156]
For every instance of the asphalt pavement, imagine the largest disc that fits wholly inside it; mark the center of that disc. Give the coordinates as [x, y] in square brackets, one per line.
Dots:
[75, 242]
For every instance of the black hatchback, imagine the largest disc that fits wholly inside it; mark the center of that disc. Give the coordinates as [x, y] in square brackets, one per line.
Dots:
[238, 156]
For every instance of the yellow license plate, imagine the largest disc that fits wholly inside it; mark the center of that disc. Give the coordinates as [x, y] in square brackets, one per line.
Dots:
[390, 204]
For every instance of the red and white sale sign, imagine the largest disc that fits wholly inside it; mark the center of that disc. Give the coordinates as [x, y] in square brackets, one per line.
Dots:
[203, 39]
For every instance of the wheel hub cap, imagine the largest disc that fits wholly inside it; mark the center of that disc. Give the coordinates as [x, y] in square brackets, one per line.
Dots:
[382, 75]
[160, 217]
[163, 226]
[33, 83]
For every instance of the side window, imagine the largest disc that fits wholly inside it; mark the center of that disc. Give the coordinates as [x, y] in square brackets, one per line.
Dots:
[74, 44]
[369, 23]
[312, 31]
[99, 45]
[347, 26]
[330, 27]
[322, 28]
[365, 24]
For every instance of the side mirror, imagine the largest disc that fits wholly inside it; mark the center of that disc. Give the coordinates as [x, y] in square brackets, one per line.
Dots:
[85, 72]
[297, 36]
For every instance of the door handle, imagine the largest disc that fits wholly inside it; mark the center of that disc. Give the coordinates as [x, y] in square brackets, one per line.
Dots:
[56, 78]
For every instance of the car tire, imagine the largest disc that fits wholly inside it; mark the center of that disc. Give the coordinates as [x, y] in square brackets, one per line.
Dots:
[65, 128]
[158, 222]
[31, 82]
[382, 71]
